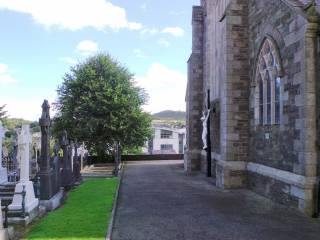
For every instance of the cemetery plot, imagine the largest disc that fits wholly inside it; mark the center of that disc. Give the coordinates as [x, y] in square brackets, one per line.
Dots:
[85, 215]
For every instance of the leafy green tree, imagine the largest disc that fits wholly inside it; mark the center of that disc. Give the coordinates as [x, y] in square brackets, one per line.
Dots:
[98, 104]
[3, 113]
[11, 124]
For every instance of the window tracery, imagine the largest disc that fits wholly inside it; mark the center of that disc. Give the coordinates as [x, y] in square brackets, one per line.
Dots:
[268, 85]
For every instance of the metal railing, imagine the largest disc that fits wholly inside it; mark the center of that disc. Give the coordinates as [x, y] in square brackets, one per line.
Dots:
[6, 207]
[12, 168]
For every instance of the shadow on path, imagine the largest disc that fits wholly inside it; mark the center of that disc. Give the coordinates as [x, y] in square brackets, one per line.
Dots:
[157, 201]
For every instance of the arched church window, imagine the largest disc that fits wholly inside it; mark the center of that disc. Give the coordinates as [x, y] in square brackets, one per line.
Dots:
[268, 85]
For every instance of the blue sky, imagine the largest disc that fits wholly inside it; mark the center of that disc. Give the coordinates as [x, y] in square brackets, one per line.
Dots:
[41, 39]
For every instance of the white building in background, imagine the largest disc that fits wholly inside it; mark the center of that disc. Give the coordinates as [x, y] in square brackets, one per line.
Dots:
[166, 141]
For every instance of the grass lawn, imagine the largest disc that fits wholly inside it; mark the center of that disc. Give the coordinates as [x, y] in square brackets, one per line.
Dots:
[85, 214]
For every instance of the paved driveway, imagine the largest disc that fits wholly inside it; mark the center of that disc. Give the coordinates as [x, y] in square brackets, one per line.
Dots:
[157, 201]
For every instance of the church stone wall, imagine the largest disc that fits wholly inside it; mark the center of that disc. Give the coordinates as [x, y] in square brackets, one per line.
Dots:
[287, 28]
[278, 150]
[277, 161]
[194, 95]
[231, 169]
[214, 61]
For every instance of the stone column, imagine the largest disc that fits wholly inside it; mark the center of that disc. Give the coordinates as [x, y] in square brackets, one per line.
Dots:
[194, 95]
[308, 156]
[46, 173]
[24, 141]
[231, 169]
[66, 171]
[3, 171]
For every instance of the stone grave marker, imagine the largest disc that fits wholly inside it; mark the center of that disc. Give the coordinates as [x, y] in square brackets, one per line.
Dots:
[30, 202]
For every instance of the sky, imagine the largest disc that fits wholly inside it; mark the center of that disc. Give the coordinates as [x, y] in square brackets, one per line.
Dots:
[41, 39]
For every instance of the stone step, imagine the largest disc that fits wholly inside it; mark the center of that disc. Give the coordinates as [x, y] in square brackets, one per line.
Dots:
[97, 170]
[15, 213]
[94, 175]
[8, 186]
[100, 169]
[6, 193]
[5, 201]
[103, 165]
[3, 194]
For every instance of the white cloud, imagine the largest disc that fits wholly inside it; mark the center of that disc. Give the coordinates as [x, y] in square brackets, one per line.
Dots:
[87, 47]
[68, 60]
[149, 31]
[166, 88]
[5, 76]
[144, 6]
[28, 107]
[3, 68]
[163, 42]
[174, 31]
[135, 26]
[73, 14]
[139, 53]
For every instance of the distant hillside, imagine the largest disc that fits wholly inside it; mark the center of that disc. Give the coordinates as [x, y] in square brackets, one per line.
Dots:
[171, 115]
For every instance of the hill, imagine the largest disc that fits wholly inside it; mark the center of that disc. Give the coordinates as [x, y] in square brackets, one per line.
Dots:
[170, 115]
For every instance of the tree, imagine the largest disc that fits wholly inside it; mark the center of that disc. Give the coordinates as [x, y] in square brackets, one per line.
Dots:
[98, 104]
[3, 113]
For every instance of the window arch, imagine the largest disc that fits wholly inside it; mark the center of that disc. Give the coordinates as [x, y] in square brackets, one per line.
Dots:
[268, 85]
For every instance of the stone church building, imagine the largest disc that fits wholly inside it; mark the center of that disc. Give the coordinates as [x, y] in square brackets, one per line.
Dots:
[257, 63]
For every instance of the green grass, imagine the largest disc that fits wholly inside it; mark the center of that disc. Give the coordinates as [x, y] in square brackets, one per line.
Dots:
[85, 214]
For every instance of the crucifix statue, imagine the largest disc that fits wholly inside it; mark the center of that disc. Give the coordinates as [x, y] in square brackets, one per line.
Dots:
[204, 119]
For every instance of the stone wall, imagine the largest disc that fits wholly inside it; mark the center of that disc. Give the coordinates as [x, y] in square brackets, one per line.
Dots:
[287, 29]
[231, 172]
[288, 148]
[278, 161]
[226, 75]
[194, 95]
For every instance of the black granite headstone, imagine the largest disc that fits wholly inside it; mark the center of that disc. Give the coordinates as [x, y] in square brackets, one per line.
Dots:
[67, 179]
[46, 173]
[76, 166]
[56, 167]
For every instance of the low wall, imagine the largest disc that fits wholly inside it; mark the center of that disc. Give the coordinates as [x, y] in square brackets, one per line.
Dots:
[142, 157]
[154, 157]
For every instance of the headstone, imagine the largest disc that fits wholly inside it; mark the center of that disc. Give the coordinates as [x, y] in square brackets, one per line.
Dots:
[30, 202]
[71, 152]
[81, 152]
[67, 180]
[46, 173]
[56, 167]
[15, 149]
[76, 166]
[3, 171]
[117, 159]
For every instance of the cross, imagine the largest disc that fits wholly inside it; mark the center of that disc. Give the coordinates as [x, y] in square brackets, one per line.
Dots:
[25, 136]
